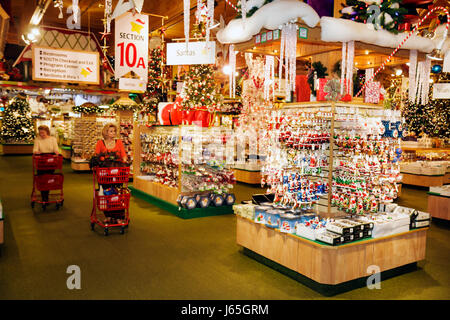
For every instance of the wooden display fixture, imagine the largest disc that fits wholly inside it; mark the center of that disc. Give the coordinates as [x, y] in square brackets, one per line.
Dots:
[439, 206]
[80, 166]
[423, 180]
[157, 190]
[331, 265]
[247, 176]
[66, 152]
[12, 149]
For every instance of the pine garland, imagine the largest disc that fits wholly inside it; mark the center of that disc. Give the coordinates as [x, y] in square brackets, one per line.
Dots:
[250, 11]
[17, 123]
[391, 13]
[88, 110]
[125, 107]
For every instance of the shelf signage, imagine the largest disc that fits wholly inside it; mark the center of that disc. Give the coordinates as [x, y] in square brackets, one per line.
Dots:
[131, 47]
[58, 65]
[441, 91]
[200, 52]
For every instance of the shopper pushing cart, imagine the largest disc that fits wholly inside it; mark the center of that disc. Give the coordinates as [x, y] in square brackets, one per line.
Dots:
[111, 175]
[46, 159]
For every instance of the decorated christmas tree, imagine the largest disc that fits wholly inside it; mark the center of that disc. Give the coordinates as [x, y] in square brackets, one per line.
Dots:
[17, 124]
[200, 89]
[155, 88]
[382, 14]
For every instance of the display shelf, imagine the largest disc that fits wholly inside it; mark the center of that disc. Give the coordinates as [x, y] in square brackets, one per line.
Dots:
[439, 206]
[12, 148]
[331, 267]
[160, 175]
[80, 165]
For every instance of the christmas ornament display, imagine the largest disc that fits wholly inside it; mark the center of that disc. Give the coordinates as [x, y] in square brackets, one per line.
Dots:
[437, 68]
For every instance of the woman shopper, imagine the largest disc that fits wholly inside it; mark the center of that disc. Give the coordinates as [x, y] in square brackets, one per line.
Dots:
[110, 144]
[44, 144]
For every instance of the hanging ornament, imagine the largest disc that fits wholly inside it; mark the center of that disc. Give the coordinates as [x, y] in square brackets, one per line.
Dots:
[187, 12]
[437, 68]
[412, 75]
[60, 5]
[288, 52]
[269, 78]
[75, 9]
[108, 11]
[232, 77]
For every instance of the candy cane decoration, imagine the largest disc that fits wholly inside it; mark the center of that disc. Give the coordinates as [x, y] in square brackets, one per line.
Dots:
[406, 38]
[232, 5]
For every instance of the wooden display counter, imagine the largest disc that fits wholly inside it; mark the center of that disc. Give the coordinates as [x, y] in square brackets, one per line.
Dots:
[17, 149]
[80, 166]
[326, 266]
[439, 206]
[165, 193]
[247, 176]
[423, 180]
[66, 152]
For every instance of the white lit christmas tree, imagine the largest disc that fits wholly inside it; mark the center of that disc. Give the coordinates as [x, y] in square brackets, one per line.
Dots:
[17, 124]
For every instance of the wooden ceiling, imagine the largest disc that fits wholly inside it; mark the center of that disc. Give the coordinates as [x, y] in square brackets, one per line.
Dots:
[92, 15]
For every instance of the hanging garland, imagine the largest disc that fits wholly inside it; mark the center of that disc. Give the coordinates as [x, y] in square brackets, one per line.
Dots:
[88, 108]
[126, 107]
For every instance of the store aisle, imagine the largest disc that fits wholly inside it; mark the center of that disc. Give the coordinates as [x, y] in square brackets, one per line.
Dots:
[162, 256]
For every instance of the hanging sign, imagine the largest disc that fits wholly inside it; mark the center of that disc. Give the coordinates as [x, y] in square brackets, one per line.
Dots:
[446, 67]
[303, 33]
[59, 65]
[441, 91]
[132, 85]
[200, 52]
[131, 47]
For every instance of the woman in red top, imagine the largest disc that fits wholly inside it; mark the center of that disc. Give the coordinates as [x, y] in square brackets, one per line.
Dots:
[109, 143]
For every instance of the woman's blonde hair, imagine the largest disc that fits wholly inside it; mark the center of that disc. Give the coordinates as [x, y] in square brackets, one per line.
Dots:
[106, 128]
[44, 128]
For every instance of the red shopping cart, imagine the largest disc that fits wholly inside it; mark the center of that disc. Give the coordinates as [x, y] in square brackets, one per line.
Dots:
[45, 180]
[112, 196]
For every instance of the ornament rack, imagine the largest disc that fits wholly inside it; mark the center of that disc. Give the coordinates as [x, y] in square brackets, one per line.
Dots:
[336, 112]
[331, 269]
[161, 178]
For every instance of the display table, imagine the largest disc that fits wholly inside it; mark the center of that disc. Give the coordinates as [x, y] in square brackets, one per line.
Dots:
[439, 205]
[330, 269]
[248, 176]
[66, 152]
[424, 180]
[78, 165]
[11, 148]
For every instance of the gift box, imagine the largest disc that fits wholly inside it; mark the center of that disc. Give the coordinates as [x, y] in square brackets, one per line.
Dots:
[288, 222]
[420, 224]
[320, 93]
[273, 218]
[330, 238]
[355, 225]
[339, 228]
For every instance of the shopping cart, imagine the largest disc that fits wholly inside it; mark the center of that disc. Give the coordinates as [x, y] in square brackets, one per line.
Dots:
[111, 194]
[46, 179]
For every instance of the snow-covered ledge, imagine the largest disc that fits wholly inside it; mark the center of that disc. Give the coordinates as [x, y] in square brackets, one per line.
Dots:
[343, 30]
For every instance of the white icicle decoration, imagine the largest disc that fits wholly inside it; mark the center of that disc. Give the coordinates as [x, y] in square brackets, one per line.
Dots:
[288, 53]
[343, 65]
[412, 75]
[422, 81]
[108, 12]
[187, 12]
[210, 19]
[244, 9]
[269, 77]
[75, 9]
[350, 58]
[232, 78]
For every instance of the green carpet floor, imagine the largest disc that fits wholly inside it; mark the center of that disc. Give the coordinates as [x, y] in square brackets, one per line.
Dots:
[162, 256]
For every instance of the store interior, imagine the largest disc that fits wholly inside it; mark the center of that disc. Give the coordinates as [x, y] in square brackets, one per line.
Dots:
[268, 149]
